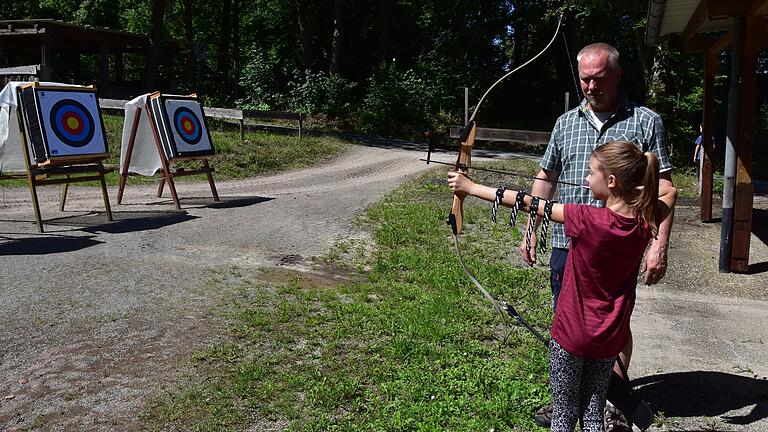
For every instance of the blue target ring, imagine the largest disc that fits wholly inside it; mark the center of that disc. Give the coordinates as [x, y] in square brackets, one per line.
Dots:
[71, 122]
[187, 125]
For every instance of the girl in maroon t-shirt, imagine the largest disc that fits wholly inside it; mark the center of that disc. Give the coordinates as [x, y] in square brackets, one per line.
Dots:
[591, 323]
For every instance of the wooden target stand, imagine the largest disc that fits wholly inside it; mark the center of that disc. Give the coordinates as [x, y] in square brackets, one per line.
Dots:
[74, 169]
[168, 173]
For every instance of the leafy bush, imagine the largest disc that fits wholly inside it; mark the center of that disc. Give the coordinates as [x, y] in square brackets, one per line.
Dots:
[258, 80]
[317, 92]
[400, 102]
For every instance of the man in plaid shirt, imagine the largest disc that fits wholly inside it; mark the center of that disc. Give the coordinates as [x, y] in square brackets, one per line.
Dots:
[604, 115]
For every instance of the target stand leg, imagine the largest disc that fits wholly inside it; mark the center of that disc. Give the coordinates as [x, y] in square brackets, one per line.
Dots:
[63, 195]
[35, 203]
[160, 187]
[105, 195]
[209, 173]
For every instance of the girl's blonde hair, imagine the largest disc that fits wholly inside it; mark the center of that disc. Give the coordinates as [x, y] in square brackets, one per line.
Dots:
[637, 177]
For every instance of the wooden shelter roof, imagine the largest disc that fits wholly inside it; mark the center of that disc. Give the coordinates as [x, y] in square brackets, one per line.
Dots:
[689, 22]
[20, 35]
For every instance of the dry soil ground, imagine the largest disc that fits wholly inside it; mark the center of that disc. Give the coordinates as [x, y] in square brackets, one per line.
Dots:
[98, 317]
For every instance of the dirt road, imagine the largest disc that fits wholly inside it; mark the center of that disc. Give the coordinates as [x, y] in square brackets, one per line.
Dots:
[97, 317]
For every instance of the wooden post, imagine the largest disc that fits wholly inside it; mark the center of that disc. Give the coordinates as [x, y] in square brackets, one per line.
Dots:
[301, 124]
[742, 215]
[46, 57]
[242, 131]
[104, 66]
[567, 102]
[119, 67]
[710, 66]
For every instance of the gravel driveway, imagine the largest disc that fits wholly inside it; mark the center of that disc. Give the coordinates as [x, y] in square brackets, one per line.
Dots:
[98, 317]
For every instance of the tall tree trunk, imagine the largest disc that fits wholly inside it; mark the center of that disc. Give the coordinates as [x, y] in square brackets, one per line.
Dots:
[384, 23]
[338, 17]
[189, 40]
[643, 51]
[153, 56]
[305, 39]
[225, 39]
[235, 62]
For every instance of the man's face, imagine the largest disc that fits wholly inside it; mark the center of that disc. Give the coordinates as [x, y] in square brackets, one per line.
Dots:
[599, 83]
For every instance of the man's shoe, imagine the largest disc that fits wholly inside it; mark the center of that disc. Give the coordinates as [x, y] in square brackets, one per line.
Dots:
[543, 416]
[615, 420]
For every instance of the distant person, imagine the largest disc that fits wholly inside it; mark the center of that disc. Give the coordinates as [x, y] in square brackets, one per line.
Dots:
[591, 324]
[698, 151]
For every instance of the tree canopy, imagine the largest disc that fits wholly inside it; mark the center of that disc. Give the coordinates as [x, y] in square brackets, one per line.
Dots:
[398, 67]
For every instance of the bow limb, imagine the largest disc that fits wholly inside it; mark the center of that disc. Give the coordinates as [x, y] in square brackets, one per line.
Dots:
[456, 218]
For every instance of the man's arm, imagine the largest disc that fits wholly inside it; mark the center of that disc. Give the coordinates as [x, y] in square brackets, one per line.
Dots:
[655, 264]
[541, 189]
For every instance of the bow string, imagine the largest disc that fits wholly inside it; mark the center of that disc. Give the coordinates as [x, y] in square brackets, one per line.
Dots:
[456, 217]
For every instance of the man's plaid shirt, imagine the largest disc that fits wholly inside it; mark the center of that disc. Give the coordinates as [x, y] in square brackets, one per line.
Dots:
[574, 137]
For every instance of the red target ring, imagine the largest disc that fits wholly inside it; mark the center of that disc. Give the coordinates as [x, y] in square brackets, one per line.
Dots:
[71, 122]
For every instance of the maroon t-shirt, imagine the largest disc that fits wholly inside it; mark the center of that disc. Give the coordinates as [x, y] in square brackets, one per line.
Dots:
[598, 291]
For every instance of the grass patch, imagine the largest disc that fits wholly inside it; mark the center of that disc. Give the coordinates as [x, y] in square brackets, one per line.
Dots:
[260, 153]
[409, 346]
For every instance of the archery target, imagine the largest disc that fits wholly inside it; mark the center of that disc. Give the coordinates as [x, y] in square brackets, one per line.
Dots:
[71, 123]
[187, 126]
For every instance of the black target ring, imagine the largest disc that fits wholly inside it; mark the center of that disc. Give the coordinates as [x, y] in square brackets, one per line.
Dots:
[187, 125]
[72, 123]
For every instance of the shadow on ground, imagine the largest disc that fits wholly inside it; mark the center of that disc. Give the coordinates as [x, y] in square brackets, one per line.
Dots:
[129, 221]
[706, 394]
[224, 202]
[43, 245]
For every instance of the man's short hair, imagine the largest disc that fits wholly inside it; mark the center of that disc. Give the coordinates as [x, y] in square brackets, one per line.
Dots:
[595, 48]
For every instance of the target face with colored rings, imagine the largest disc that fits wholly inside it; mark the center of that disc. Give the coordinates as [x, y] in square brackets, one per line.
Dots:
[187, 125]
[72, 123]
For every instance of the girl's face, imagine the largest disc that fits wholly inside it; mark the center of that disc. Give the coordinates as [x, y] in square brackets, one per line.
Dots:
[597, 182]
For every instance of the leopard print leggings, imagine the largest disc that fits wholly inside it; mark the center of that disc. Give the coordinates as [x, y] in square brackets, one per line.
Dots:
[579, 386]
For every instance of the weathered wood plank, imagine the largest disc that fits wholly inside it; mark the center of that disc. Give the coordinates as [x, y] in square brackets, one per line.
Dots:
[225, 113]
[511, 135]
[112, 104]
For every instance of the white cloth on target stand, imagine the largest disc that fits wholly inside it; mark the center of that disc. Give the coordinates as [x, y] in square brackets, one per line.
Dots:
[11, 154]
[145, 159]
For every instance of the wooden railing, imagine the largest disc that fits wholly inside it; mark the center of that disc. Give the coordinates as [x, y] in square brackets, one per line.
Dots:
[224, 114]
[510, 135]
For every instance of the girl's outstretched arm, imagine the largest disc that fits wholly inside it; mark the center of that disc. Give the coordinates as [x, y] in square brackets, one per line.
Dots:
[461, 184]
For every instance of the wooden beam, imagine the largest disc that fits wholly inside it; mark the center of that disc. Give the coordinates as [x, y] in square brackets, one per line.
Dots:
[759, 8]
[511, 135]
[743, 200]
[699, 17]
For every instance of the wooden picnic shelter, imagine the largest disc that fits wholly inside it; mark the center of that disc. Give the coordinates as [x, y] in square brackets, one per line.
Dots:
[51, 50]
[709, 27]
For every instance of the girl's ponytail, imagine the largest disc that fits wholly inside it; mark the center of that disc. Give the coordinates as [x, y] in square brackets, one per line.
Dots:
[637, 177]
[646, 201]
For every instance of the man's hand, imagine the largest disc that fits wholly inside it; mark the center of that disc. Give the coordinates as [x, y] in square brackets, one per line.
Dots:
[529, 257]
[655, 264]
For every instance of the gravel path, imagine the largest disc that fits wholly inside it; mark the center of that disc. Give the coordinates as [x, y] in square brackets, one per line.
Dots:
[98, 317]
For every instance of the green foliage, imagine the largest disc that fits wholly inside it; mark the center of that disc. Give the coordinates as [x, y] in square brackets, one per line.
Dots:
[400, 67]
[316, 92]
[258, 80]
[398, 102]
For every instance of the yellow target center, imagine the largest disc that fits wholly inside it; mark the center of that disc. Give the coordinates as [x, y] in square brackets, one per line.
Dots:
[72, 123]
